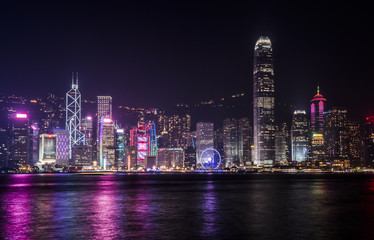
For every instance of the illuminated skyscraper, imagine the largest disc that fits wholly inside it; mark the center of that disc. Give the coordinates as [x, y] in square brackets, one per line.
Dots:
[73, 115]
[336, 134]
[104, 110]
[355, 144]
[316, 113]
[87, 130]
[204, 138]
[19, 144]
[106, 143]
[300, 136]
[263, 103]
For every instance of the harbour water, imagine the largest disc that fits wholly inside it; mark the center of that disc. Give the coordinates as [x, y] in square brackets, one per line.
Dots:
[186, 206]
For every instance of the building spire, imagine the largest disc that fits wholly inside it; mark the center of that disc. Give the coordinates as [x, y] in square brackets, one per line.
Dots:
[72, 79]
[76, 80]
[318, 89]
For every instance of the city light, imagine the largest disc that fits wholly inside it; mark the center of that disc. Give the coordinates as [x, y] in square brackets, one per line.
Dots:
[107, 120]
[21, 115]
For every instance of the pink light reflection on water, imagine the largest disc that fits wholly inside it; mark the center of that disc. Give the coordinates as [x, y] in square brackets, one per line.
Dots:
[17, 206]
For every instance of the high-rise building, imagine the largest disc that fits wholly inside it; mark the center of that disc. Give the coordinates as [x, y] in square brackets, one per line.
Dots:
[62, 146]
[231, 142]
[34, 143]
[336, 134]
[280, 146]
[245, 141]
[170, 158]
[190, 158]
[263, 103]
[47, 151]
[355, 144]
[82, 155]
[104, 107]
[300, 136]
[87, 130]
[368, 132]
[106, 144]
[316, 113]
[120, 147]
[19, 144]
[73, 115]
[204, 138]
[4, 145]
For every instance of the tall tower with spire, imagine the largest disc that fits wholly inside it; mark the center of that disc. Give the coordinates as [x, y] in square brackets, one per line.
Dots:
[316, 112]
[263, 104]
[73, 114]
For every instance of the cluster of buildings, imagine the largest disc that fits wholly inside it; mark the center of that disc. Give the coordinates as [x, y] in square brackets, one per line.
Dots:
[52, 133]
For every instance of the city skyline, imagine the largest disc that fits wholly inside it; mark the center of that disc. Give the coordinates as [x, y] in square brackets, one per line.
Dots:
[310, 50]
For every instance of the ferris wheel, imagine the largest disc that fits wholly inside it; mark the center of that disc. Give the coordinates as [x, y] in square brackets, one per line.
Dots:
[210, 159]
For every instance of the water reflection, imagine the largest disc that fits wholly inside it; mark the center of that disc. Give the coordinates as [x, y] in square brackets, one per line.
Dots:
[209, 211]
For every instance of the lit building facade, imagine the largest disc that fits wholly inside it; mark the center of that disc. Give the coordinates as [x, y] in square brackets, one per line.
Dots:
[19, 144]
[87, 130]
[62, 157]
[47, 151]
[106, 144]
[336, 134]
[204, 138]
[170, 158]
[300, 136]
[316, 113]
[355, 144]
[263, 104]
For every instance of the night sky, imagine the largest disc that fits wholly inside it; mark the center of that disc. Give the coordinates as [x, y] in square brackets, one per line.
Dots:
[157, 54]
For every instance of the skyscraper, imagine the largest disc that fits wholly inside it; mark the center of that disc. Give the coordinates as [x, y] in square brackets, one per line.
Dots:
[336, 134]
[263, 103]
[316, 113]
[104, 110]
[204, 138]
[73, 115]
[299, 136]
[19, 143]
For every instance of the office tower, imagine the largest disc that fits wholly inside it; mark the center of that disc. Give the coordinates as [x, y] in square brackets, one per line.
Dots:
[317, 149]
[263, 104]
[87, 130]
[73, 115]
[245, 139]
[4, 148]
[62, 137]
[104, 107]
[218, 141]
[368, 132]
[190, 158]
[106, 144]
[19, 144]
[170, 158]
[280, 146]
[47, 151]
[34, 143]
[82, 155]
[104, 110]
[236, 141]
[131, 157]
[316, 113]
[299, 136]
[231, 142]
[336, 134]
[120, 147]
[204, 138]
[355, 144]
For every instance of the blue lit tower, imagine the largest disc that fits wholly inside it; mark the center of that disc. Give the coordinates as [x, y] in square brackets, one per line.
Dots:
[263, 104]
[73, 115]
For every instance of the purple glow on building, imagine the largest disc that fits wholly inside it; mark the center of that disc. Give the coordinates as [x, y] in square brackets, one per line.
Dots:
[21, 115]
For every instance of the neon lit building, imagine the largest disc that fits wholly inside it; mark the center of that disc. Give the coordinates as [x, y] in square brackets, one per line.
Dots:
[19, 144]
[316, 113]
[73, 115]
[300, 136]
[104, 110]
[263, 104]
[62, 157]
[120, 147]
[106, 143]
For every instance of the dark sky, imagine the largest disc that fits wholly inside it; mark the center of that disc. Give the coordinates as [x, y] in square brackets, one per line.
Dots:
[161, 53]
